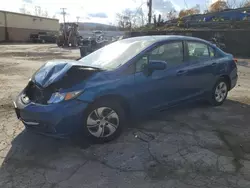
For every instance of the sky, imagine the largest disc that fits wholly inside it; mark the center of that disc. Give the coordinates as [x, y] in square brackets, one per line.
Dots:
[100, 11]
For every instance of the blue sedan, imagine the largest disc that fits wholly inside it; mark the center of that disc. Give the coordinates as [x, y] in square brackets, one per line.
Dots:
[134, 76]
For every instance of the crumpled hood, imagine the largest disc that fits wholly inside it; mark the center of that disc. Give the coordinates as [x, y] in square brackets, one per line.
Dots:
[53, 70]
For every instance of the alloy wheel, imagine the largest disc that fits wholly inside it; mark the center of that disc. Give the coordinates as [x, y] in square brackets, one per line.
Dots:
[102, 122]
[221, 92]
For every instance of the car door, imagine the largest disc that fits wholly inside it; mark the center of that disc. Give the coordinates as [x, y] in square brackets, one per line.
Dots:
[201, 62]
[162, 87]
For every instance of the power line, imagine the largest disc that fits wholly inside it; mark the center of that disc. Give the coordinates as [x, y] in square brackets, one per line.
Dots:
[185, 4]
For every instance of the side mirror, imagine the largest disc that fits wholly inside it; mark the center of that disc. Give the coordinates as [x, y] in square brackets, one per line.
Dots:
[157, 65]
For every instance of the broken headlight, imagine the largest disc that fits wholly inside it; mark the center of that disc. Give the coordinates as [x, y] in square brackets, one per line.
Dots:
[58, 97]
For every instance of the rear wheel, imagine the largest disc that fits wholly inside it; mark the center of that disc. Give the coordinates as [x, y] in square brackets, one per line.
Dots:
[103, 121]
[219, 92]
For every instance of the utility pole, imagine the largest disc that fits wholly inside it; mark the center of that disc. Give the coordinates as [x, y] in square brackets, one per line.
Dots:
[77, 19]
[64, 26]
[63, 13]
[149, 11]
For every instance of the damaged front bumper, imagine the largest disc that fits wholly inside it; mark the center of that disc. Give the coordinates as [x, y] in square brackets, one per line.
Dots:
[57, 120]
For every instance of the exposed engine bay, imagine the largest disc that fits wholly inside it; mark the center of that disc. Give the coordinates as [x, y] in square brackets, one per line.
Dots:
[37, 93]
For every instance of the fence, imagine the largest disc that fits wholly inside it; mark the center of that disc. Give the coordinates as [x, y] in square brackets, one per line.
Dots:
[237, 42]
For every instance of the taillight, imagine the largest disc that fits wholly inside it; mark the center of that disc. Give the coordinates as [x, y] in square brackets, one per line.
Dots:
[235, 60]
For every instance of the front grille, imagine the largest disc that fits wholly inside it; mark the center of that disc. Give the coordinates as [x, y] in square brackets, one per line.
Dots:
[37, 94]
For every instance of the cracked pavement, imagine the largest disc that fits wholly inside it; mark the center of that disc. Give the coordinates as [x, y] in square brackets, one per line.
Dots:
[193, 145]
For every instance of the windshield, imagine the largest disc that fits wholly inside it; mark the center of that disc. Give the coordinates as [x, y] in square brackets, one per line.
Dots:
[115, 54]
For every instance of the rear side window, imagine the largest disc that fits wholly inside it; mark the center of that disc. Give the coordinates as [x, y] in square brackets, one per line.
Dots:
[197, 51]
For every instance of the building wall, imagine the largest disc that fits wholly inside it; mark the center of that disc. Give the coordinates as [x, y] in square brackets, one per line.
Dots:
[31, 22]
[2, 26]
[20, 26]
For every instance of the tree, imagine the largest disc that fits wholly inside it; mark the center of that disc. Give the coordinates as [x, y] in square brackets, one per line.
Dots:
[231, 4]
[45, 14]
[140, 17]
[158, 22]
[171, 14]
[128, 18]
[190, 11]
[24, 10]
[218, 6]
[38, 11]
[125, 19]
[247, 4]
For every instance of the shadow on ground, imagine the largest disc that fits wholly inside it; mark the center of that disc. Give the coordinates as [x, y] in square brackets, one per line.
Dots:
[182, 143]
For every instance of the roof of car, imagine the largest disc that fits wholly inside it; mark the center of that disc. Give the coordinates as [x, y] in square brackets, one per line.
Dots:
[158, 38]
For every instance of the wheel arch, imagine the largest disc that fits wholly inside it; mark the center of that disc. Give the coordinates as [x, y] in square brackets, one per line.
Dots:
[227, 78]
[114, 97]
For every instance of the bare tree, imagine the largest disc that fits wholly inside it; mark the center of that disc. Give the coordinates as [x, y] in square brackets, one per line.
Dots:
[171, 14]
[141, 17]
[232, 4]
[38, 11]
[45, 14]
[246, 3]
[24, 10]
[228, 4]
[128, 18]
[125, 19]
[158, 21]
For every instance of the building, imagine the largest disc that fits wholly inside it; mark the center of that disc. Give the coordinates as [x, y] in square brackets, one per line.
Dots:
[225, 15]
[17, 27]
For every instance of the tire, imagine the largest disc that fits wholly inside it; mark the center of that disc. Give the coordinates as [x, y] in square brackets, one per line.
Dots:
[219, 92]
[102, 108]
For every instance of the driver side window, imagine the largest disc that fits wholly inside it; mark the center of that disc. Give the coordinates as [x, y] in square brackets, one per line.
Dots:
[141, 64]
[172, 53]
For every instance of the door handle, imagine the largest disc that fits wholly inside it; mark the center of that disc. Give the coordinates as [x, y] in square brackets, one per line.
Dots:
[181, 72]
[214, 64]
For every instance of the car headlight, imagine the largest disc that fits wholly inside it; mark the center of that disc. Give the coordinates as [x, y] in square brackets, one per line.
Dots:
[58, 97]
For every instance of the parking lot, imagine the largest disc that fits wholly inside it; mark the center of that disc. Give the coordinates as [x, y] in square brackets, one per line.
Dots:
[194, 145]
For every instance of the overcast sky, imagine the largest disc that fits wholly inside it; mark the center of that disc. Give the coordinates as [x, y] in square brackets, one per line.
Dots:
[102, 11]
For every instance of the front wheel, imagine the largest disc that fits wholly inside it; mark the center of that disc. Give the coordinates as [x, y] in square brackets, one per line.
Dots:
[219, 92]
[103, 121]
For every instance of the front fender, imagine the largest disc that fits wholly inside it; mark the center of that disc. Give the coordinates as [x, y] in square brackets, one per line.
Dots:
[119, 86]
